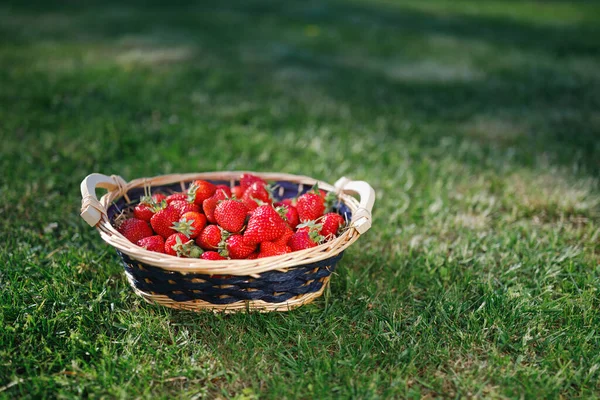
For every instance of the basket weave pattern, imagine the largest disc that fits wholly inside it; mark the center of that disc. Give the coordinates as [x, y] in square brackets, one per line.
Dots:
[271, 286]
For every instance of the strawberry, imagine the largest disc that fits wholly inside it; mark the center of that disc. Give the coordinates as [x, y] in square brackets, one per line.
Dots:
[291, 214]
[331, 222]
[158, 197]
[282, 241]
[304, 239]
[143, 211]
[162, 221]
[311, 227]
[172, 241]
[225, 189]
[135, 229]
[236, 248]
[237, 192]
[288, 202]
[184, 206]
[252, 256]
[190, 224]
[153, 243]
[231, 215]
[148, 206]
[180, 245]
[212, 255]
[255, 195]
[310, 206]
[268, 249]
[264, 225]
[176, 197]
[200, 190]
[209, 205]
[210, 237]
[292, 217]
[246, 180]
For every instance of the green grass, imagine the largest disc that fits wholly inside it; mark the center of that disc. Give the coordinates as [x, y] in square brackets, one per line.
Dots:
[478, 124]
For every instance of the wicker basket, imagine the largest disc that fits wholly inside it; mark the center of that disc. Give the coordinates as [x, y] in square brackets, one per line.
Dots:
[277, 283]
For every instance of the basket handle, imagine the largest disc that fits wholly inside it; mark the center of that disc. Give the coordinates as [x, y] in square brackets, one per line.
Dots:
[91, 208]
[361, 218]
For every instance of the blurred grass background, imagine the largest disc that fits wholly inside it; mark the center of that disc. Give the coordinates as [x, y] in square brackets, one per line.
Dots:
[478, 124]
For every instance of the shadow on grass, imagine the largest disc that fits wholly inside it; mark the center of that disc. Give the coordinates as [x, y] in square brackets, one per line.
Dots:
[507, 84]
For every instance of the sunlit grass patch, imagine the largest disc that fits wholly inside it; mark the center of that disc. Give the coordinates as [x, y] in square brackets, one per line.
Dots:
[553, 196]
[504, 130]
[154, 56]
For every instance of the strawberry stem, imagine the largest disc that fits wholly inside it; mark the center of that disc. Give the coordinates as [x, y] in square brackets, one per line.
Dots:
[191, 192]
[184, 226]
[282, 211]
[315, 189]
[187, 249]
[331, 201]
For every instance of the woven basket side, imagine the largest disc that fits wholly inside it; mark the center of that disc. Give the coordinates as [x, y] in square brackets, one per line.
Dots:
[269, 287]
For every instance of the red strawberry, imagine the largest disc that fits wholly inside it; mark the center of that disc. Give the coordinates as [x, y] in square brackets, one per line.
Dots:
[210, 237]
[246, 180]
[143, 211]
[176, 197]
[153, 243]
[289, 202]
[180, 245]
[291, 214]
[302, 239]
[231, 215]
[209, 205]
[268, 249]
[190, 224]
[185, 206]
[264, 225]
[200, 190]
[135, 229]
[225, 189]
[331, 224]
[212, 255]
[158, 197]
[257, 194]
[312, 227]
[252, 256]
[162, 221]
[149, 205]
[236, 248]
[172, 242]
[310, 206]
[237, 192]
[282, 241]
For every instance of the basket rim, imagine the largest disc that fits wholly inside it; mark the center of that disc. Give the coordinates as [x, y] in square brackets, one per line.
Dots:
[230, 267]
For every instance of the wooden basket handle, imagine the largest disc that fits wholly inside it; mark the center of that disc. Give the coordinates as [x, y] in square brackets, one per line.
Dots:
[91, 208]
[361, 218]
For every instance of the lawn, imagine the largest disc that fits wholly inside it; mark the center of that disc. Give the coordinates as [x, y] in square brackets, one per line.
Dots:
[477, 123]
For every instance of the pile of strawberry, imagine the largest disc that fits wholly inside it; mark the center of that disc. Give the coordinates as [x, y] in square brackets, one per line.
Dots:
[215, 222]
